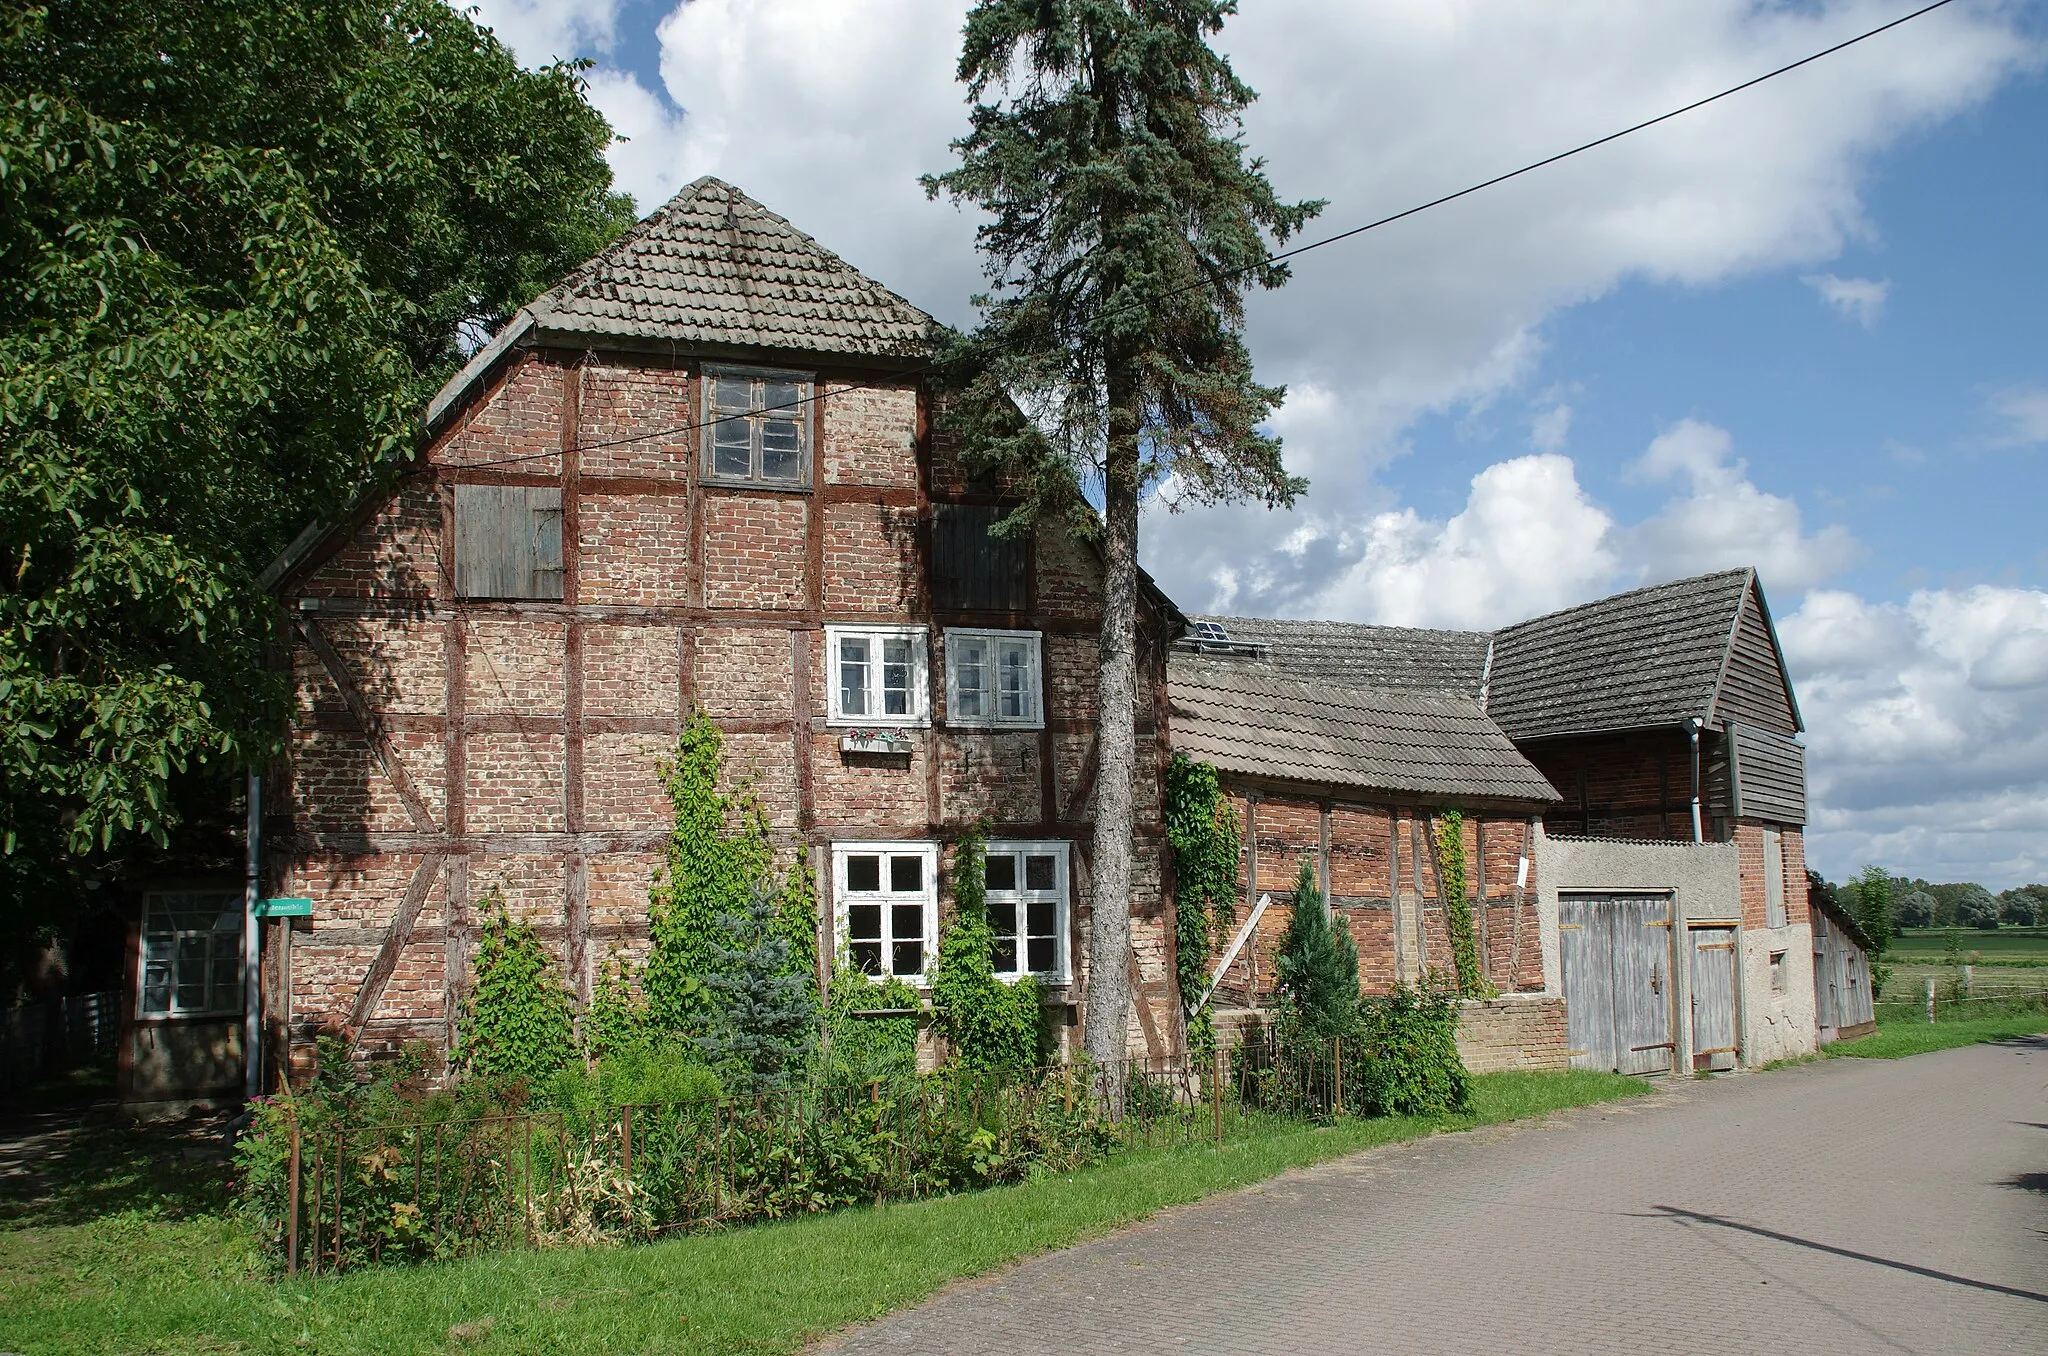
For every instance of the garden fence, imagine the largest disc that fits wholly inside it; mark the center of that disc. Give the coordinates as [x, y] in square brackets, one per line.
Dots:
[411, 1190]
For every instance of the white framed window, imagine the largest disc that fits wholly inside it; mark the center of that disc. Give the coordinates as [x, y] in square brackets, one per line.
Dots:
[992, 679]
[757, 427]
[1027, 908]
[886, 906]
[191, 963]
[878, 675]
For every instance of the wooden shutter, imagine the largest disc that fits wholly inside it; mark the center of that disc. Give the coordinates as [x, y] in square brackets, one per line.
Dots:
[508, 541]
[971, 570]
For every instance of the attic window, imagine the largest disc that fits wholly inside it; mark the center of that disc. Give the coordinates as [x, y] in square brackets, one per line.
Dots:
[508, 541]
[757, 427]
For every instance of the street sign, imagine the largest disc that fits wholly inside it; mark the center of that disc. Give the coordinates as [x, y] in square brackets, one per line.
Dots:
[284, 908]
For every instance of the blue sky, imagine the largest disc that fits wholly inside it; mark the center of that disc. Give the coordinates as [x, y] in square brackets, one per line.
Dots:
[1800, 329]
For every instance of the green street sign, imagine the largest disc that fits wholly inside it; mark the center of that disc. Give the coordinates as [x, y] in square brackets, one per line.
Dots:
[284, 908]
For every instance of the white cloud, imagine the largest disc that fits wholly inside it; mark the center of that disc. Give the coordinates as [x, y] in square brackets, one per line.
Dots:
[1550, 428]
[1721, 518]
[1858, 299]
[1928, 730]
[2022, 413]
[540, 31]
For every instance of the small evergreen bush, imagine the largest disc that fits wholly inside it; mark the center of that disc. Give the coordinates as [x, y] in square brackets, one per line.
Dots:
[1318, 970]
[762, 1017]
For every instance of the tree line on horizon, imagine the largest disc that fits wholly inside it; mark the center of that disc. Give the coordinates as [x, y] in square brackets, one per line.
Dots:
[1875, 894]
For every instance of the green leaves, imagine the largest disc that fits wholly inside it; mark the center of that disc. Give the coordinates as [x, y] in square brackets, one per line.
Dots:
[238, 242]
[992, 1025]
[1207, 854]
[517, 1022]
[1448, 837]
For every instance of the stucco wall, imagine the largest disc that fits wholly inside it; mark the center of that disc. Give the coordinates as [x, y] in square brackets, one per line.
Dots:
[1778, 1024]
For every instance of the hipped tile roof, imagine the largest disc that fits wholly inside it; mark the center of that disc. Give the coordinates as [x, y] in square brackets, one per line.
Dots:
[1247, 717]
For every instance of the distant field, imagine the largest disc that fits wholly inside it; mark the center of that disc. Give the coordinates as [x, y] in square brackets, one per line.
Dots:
[2002, 946]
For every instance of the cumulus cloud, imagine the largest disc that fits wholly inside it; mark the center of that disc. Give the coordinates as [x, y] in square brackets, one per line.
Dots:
[540, 31]
[1928, 730]
[2021, 413]
[1858, 299]
[1720, 517]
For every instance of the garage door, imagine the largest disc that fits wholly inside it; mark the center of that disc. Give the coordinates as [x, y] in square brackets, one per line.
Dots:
[1616, 954]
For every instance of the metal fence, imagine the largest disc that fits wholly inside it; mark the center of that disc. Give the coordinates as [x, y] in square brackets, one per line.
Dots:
[42, 1040]
[362, 1194]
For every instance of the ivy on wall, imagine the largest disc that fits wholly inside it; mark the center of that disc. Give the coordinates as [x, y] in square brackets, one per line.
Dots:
[993, 1025]
[870, 1049]
[1449, 830]
[516, 1023]
[1208, 849]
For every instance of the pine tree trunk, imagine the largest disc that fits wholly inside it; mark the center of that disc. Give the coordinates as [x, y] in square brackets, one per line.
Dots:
[1109, 937]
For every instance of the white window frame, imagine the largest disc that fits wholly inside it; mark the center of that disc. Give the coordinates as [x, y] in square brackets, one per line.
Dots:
[920, 699]
[928, 897]
[160, 947]
[1034, 718]
[755, 419]
[1062, 900]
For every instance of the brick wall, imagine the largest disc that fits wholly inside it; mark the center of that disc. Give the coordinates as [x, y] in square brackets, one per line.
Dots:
[1626, 786]
[754, 547]
[870, 437]
[1512, 1033]
[625, 397]
[635, 548]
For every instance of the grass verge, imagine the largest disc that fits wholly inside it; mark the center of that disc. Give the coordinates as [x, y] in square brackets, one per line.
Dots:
[132, 1282]
[1896, 1040]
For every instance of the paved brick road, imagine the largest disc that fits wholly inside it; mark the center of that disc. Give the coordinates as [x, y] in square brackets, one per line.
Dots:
[1847, 1206]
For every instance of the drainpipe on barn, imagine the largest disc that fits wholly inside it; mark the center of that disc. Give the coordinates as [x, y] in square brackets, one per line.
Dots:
[1695, 724]
[252, 953]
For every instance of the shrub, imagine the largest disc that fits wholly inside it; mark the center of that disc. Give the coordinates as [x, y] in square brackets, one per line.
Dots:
[1318, 968]
[762, 1015]
[865, 1050]
[1411, 1065]
[993, 1025]
[517, 1021]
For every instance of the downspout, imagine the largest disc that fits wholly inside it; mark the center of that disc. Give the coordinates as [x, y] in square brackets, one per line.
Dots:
[252, 948]
[1694, 724]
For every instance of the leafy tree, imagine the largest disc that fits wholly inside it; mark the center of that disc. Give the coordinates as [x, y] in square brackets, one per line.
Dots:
[240, 242]
[993, 1025]
[1914, 909]
[1869, 897]
[517, 1020]
[1975, 908]
[1318, 967]
[1123, 224]
[2022, 905]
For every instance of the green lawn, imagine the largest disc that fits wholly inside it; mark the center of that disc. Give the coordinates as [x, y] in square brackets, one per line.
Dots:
[1897, 1037]
[1997, 946]
[135, 1280]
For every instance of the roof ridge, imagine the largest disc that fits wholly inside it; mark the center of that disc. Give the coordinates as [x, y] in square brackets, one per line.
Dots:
[1742, 570]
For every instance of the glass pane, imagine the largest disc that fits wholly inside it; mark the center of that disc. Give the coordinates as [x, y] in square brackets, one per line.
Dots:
[867, 955]
[853, 675]
[732, 393]
[156, 986]
[1002, 917]
[1013, 683]
[780, 395]
[906, 922]
[907, 958]
[191, 992]
[1002, 871]
[863, 873]
[1042, 917]
[906, 874]
[781, 450]
[1006, 956]
[1038, 873]
[732, 448]
[970, 678]
[1044, 954]
[896, 676]
[864, 922]
[227, 989]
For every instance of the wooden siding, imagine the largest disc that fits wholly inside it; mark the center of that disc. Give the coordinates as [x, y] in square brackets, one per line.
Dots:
[508, 541]
[1754, 689]
[1841, 980]
[1768, 776]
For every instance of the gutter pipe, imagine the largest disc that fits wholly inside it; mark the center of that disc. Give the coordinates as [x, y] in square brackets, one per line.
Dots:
[252, 948]
[1694, 727]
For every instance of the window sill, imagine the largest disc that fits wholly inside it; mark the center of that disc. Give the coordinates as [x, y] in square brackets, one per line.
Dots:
[771, 486]
[994, 727]
[181, 1018]
[854, 723]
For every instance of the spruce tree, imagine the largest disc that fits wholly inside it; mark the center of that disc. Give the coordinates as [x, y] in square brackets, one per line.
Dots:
[1124, 224]
[763, 1012]
[1318, 967]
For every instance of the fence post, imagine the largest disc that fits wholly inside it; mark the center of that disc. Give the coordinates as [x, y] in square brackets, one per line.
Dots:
[1930, 998]
[529, 1181]
[1216, 1094]
[1969, 981]
[626, 1144]
[1337, 1065]
[291, 1216]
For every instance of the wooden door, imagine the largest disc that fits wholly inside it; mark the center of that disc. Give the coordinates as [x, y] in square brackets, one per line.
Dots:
[1713, 998]
[1616, 957]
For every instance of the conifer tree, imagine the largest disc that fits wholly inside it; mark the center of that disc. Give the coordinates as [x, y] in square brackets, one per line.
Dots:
[763, 1013]
[1318, 966]
[1124, 223]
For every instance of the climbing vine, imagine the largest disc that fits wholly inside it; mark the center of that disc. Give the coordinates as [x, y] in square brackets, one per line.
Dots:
[1207, 851]
[992, 1024]
[869, 1049]
[516, 1023]
[1450, 850]
[717, 873]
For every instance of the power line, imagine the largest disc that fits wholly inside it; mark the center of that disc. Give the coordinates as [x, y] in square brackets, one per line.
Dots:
[1271, 259]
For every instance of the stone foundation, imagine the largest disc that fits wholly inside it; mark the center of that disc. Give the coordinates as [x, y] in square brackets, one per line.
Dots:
[1519, 1031]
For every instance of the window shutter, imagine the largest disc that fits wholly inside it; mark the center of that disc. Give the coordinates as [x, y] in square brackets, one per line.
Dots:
[971, 570]
[508, 541]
